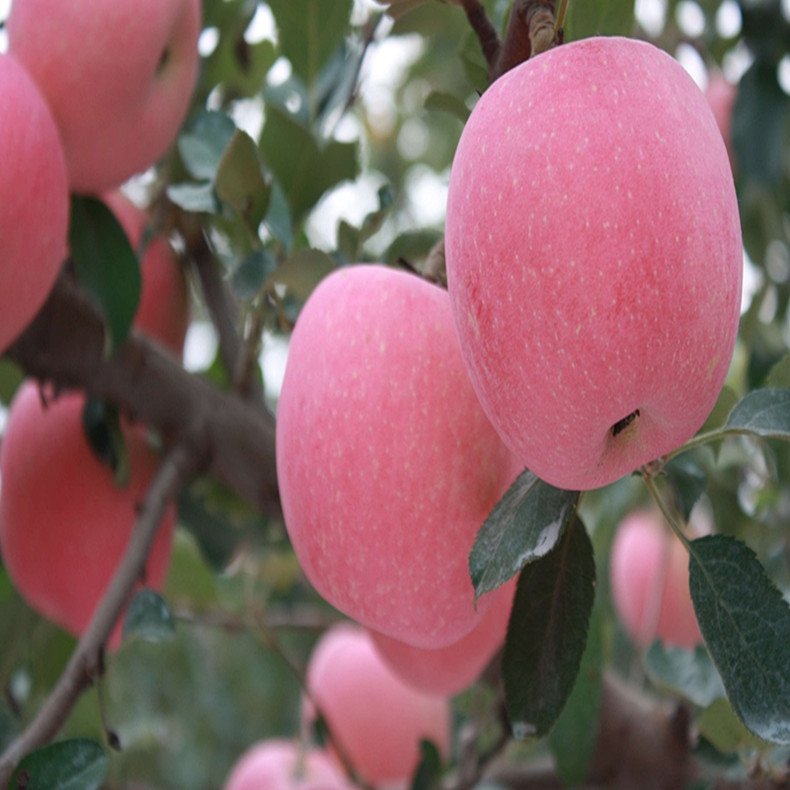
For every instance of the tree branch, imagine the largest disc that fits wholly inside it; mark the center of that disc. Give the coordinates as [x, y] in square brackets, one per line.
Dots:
[65, 345]
[485, 31]
[86, 661]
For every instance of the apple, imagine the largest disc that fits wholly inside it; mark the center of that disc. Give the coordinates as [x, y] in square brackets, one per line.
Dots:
[594, 258]
[452, 669]
[649, 579]
[280, 764]
[64, 523]
[386, 464]
[377, 719]
[34, 202]
[118, 76]
[721, 94]
[163, 312]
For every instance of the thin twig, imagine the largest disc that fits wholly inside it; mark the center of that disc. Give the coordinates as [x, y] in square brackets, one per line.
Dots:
[485, 31]
[85, 662]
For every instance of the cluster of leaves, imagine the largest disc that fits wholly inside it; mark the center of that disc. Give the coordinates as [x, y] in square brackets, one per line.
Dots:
[250, 190]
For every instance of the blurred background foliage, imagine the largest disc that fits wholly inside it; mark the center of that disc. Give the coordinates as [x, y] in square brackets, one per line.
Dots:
[302, 154]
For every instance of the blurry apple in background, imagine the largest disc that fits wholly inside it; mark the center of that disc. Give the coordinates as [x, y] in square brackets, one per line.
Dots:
[387, 466]
[64, 522]
[377, 718]
[34, 201]
[594, 258]
[649, 579]
[118, 76]
[163, 312]
[279, 764]
[452, 669]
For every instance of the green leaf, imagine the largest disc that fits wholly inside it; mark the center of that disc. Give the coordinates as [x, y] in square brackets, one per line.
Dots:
[746, 626]
[251, 274]
[764, 412]
[429, 769]
[302, 271]
[106, 265]
[603, 17]
[779, 375]
[685, 673]
[525, 524]
[212, 533]
[278, 219]
[724, 405]
[447, 102]
[304, 169]
[240, 181]
[149, 618]
[197, 198]
[759, 125]
[547, 633]
[202, 144]
[688, 481]
[719, 725]
[309, 31]
[101, 424]
[575, 734]
[9, 728]
[11, 376]
[77, 764]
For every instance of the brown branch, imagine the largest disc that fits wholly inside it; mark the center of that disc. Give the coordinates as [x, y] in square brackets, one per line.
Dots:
[85, 663]
[64, 345]
[485, 31]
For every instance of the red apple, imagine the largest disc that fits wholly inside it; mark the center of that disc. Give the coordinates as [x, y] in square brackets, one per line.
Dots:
[64, 523]
[649, 578]
[163, 312]
[279, 764]
[387, 466]
[378, 720]
[118, 75]
[594, 258]
[34, 201]
[449, 670]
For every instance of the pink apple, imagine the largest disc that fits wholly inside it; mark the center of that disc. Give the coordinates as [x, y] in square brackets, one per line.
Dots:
[163, 312]
[279, 764]
[449, 670]
[118, 75]
[387, 466]
[64, 523]
[594, 258]
[378, 720]
[649, 578]
[721, 94]
[34, 201]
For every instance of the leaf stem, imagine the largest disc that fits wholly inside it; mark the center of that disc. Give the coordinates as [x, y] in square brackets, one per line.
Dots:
[669, 516]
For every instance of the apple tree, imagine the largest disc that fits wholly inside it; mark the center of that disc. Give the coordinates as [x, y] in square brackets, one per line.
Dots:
[394, 394]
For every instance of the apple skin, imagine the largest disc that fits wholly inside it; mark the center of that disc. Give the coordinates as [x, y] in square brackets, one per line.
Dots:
[118, 76]
[280, 764]
[452, 669]
[34, 208]
[387, 466]
[594, 258]
[163, 312]
[377, 718]
[64, 523]
[649, 579]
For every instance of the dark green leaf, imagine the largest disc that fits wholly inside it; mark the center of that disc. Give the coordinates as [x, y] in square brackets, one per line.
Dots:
[304, 169]
[11, 376]
[78, 764]
[688, 482]
[746, 626]
[447, 102]
[524, 525]
[203, 143]
[106, 265]
[429, 769]
[547, 633]
[685, 673]
[764, 412]
[240, 181]
[101, 423]
[759, 125]
[149, 618]
[9, 727]
[575, 734]
[217, 541]
[603, 17]
[474, 63]
[278, 219]
[251, 274]
[310, 31]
